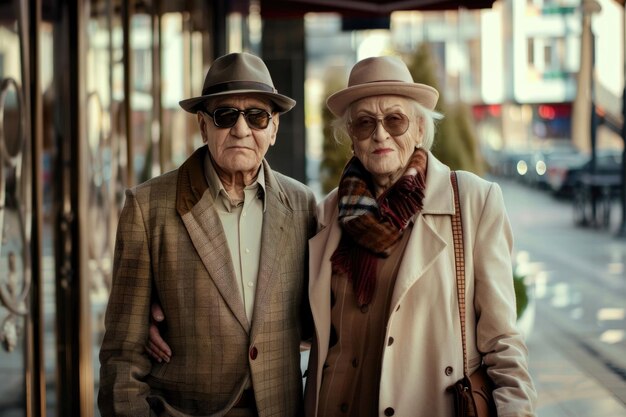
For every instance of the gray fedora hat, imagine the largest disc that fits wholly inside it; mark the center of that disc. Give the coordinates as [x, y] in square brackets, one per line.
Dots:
[238, 73]
[383, 75]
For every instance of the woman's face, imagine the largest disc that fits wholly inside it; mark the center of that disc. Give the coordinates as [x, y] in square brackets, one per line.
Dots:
[382, 153]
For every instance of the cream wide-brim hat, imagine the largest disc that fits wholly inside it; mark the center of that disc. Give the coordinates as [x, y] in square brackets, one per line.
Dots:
[376, 76]
[238, 74]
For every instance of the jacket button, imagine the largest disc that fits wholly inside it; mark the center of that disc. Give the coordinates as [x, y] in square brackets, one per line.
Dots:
[364, 308]
[390, 341]
[389, 411]
[253, 353]
[355, 362]
[449, 370]
[344, 408]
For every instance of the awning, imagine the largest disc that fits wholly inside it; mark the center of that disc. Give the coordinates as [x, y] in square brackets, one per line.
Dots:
[364, 8]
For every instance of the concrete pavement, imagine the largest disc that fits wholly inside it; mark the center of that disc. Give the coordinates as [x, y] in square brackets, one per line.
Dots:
[579, 301]
[563, 381]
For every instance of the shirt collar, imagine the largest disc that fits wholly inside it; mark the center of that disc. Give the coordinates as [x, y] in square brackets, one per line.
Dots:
[217, 188]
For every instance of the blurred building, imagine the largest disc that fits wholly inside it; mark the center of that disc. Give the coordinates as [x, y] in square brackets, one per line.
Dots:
[523, 66]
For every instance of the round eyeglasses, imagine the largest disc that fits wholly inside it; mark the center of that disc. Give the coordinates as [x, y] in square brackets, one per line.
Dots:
[395, 124]
[226, 117]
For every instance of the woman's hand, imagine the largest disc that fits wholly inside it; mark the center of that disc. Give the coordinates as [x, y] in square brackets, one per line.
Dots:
[156, 346]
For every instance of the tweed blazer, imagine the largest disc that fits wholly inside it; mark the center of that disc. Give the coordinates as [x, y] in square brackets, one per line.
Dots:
[423, 351]
[171, 247]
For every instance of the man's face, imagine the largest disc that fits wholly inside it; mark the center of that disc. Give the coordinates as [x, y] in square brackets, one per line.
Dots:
[238, 149]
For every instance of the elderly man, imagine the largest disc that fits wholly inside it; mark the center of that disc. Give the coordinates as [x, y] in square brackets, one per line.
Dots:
[220, 244]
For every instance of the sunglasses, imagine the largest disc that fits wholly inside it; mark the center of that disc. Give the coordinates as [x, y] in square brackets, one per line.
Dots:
[226, 117]
[395, 124]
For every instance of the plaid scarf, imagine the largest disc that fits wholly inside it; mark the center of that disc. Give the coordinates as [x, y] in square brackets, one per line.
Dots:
[371, 226]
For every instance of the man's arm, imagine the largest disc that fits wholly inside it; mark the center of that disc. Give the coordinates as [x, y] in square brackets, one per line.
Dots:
[123, 360]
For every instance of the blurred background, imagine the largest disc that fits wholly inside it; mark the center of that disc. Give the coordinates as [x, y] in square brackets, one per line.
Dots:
[533, 97]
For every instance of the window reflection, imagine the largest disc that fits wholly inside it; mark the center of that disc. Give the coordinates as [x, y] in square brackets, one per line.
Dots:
[12, 262]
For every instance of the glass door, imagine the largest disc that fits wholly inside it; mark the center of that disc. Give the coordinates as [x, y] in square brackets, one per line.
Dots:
[19, 332]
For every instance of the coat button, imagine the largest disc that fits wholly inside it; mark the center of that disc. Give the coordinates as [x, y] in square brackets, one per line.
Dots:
[389, 411]
[253, 353]
[449, 370]
[390, 341]
[364, 308]
[355, 362]
[344, 408]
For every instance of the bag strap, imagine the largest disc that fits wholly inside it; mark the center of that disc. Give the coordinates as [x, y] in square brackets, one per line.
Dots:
[459, 262]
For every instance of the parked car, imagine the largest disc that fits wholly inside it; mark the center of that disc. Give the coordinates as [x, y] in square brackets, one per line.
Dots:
[550, 155]
[565, 176]
[512, 163]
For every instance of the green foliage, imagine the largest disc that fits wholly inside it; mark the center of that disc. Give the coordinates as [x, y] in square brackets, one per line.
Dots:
[336, 152]
[521, 294]
[455, 143]
[424, 70]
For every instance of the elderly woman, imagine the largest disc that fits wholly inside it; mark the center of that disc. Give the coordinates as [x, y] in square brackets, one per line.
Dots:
[383, 289]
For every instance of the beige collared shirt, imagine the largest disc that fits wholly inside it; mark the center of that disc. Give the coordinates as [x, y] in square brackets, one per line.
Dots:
[243, 224]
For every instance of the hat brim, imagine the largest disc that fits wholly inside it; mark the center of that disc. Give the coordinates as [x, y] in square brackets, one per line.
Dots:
[424, 94]
[282, 104]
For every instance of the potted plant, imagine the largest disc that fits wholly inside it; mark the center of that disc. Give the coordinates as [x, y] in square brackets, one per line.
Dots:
[524, 302]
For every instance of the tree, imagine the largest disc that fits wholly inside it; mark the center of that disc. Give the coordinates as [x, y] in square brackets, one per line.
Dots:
[336, 151]
[455, 143]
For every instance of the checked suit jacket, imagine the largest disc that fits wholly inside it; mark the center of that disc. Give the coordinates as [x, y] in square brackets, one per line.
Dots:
[171, 248]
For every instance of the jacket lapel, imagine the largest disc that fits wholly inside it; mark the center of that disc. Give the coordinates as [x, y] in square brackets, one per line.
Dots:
[276, 218]
[196, 208]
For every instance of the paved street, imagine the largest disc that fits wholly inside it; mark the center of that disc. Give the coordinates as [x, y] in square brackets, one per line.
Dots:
[578, 342]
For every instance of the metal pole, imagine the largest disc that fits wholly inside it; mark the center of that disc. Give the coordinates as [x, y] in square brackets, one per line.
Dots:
[593, 128]
[220, 12]
[156, 131]
[36, 391]
[622, 229]
[588, 9]
[127, 11]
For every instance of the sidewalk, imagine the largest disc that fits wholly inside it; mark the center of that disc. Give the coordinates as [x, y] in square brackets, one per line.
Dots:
[566, 390]
[577, 344]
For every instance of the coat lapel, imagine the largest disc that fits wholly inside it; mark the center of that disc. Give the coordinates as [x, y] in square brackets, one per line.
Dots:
[196, 208]
[425, 245]
[276, 219]
[321, 248]
[422, 250]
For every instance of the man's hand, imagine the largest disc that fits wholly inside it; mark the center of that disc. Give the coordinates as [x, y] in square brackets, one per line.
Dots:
[156, 346]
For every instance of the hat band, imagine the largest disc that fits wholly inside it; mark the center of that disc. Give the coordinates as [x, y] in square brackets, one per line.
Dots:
[237, 85]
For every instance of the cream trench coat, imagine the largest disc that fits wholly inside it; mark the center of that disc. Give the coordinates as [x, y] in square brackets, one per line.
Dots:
[426, 354]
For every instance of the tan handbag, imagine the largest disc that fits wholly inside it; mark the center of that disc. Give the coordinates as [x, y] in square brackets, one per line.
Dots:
[473, 394]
